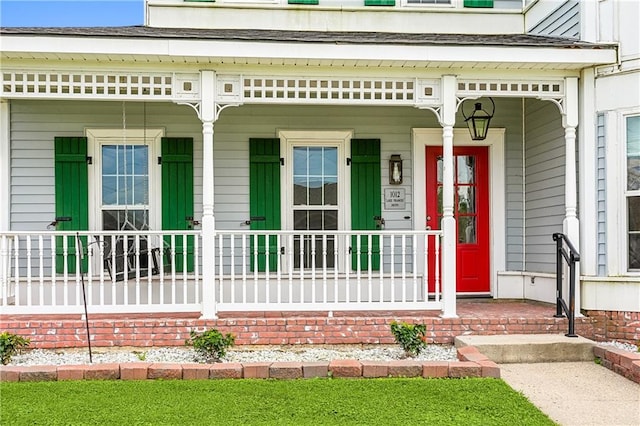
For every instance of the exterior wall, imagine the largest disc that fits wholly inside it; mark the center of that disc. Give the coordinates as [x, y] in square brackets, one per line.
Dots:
[333, 17]
[564, 21]
[34, 125]
[544, 183]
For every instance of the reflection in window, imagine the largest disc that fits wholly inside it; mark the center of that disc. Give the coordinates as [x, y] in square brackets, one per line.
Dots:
[125, 187]
[633, 188]
[315, 184]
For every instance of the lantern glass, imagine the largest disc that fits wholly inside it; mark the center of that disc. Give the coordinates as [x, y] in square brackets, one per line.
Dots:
[395, 170]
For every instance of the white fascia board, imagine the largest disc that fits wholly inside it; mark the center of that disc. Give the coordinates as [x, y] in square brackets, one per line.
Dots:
[319, 51]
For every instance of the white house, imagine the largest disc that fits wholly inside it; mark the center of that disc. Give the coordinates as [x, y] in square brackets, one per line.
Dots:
[314, 155]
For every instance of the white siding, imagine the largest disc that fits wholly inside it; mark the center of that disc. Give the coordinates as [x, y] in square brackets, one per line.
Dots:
[35, 124]
[562, 22]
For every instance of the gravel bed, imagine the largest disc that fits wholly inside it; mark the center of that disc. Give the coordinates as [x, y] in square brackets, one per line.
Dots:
[298, 353]
[621, 345]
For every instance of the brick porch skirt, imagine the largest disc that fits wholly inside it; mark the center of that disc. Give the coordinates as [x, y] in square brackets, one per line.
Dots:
[290, 328]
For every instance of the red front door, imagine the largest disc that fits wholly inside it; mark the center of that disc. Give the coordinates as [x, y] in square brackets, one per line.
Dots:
[471, 211]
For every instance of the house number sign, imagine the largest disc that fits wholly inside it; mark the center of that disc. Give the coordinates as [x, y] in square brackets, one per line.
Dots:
[394, 199]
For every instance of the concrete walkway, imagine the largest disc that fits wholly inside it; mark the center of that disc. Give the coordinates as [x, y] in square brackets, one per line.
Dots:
[577, 393]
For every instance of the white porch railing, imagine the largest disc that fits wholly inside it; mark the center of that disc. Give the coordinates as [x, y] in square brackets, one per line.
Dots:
[320, 270]
[122, 272]
[161, 271]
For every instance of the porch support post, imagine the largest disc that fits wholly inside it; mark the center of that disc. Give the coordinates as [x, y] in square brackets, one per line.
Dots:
[448, 117]
[208, 116]
[5, 165]
[571, 224]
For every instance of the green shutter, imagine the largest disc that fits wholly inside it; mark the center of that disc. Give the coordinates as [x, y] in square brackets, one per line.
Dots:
[72, 188]
[264, 197]
[379, 2]
[365, 199]
[478, 3]
[177, 195]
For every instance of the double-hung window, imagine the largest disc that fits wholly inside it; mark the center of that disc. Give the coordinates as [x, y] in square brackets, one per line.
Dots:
[632, 126]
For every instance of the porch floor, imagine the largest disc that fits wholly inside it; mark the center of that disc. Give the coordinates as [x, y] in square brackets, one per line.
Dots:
[475, 317]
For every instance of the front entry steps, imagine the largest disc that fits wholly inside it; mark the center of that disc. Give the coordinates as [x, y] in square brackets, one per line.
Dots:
[530, 348]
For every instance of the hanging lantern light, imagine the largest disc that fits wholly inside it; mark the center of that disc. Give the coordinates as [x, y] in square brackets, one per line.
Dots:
[478, 121]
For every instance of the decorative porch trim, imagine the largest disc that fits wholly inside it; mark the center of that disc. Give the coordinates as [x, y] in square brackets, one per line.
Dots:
[100, 85]
[262, 89]
[329, 90]
[543, 89]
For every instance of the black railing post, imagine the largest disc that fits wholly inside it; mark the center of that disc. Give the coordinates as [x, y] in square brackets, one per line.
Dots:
[572, 257]
[557, 237]
[572, 297]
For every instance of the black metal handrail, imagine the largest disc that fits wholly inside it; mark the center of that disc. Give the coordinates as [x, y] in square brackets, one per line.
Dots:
[571, 257]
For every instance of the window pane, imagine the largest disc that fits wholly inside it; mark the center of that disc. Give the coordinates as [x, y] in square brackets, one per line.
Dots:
[140, 190]
[124, 190]
[300, 220]
[109, 160]
[315, 191]
[466, 168]
[439, 168]
[633, 215]
[315, 161]
[140, 160]
[633, 153]
[331, 192]
[467, 229]
[300, 191]
[633, 219]
[109, 190]
[331, 220]
[466, 199]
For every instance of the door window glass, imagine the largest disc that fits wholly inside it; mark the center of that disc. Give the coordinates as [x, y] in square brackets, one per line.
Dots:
[125, 187]
[465, 194]
[315, 203]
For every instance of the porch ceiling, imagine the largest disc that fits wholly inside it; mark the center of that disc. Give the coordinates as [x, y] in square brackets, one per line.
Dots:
[301, 48]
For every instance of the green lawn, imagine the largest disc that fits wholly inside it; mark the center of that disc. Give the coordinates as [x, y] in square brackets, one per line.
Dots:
[259, 402]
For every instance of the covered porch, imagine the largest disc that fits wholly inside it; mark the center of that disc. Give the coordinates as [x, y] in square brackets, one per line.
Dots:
[225, 256]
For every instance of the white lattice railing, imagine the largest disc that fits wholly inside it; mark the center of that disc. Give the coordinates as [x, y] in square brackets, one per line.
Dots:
[254, 270]
[315, 270]
[100, 85]
[327, 89]
[518, 88]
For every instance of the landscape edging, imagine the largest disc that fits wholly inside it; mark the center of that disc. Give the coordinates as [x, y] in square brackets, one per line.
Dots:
[624, 363]
[471, 364]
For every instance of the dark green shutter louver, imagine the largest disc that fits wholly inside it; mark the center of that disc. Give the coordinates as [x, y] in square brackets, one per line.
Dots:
[264, 195]
[72, 203]
[177, 196]
[478, 3]
[365, 199]
[379, 2]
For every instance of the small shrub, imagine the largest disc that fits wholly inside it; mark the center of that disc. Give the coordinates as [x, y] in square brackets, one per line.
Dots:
[142, 356]
[11, 344]
[210, 344]
[410, 336]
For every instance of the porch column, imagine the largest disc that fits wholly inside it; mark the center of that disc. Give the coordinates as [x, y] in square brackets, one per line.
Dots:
[208, 115]
[448, 117]
[571, 224]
